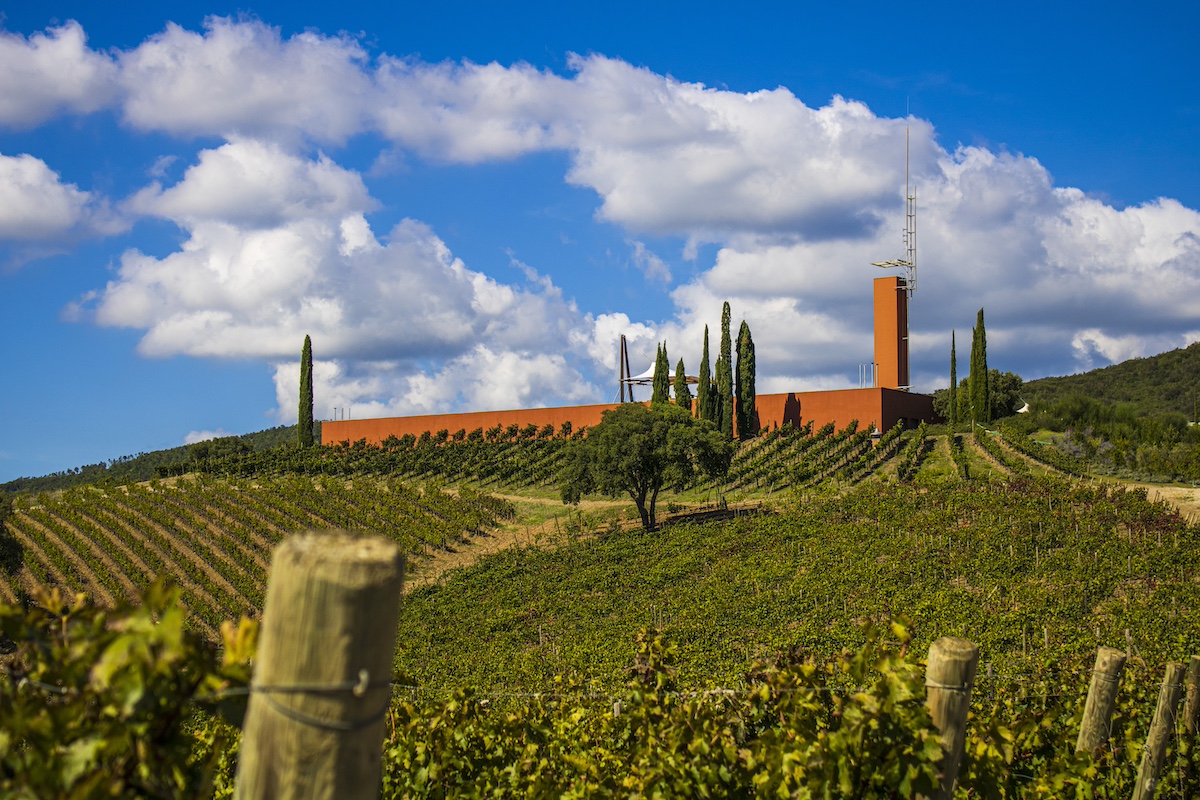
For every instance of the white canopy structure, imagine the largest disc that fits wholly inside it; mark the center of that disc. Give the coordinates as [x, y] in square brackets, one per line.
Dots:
[628, 381]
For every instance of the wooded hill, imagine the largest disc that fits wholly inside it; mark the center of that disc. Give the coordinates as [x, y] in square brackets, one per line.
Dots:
[143, 466]
[1166, 383]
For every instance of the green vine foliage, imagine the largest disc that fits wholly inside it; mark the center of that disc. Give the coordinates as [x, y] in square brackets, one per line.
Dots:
[97, 703]
[792, 733]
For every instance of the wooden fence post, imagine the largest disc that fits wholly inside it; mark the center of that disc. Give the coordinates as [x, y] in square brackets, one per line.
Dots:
[315, 723]
[1160, 732]
[1101, 699]
[949, 678]
[1193, 695]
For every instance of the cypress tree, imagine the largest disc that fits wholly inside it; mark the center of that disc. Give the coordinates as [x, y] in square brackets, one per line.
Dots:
[725, 376]
[683, 395]
[747, 413]
[978, 385]
[703, 389]
[953, 384]
[662, 378]
[304, 423]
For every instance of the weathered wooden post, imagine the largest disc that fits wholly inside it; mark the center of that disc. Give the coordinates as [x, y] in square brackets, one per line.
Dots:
[1101, 700]
[1192, 707]
[1160, 732]
[315, 723]
[949, 678]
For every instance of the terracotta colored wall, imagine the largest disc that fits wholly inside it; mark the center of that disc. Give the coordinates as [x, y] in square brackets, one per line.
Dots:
[891, 331]
[376, 430]
[883, 407]
[879, 406]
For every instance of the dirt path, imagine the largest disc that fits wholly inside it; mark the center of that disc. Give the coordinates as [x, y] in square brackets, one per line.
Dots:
[1185, 499]
[983, 455]
[549, 533]
[469, 549]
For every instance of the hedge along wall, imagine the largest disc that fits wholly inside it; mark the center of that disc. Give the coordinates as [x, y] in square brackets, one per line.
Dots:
[880, 406]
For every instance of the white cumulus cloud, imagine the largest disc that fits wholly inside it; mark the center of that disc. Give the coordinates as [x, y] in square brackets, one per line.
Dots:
[50, 73]
[796, 201]
[278, 248]
[244, 78]
[39, 213]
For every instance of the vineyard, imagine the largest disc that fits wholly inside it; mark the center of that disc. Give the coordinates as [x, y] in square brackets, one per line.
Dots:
[765, 648]
[213, 528]
[215, 536]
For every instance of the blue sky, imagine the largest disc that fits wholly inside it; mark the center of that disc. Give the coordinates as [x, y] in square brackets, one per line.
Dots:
[466, 204]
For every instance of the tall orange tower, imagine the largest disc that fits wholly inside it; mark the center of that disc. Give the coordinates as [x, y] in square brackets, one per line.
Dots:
[891, 332]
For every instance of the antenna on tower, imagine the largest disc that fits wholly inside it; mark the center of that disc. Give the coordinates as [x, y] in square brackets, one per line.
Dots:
[909, 262]
[892, 298]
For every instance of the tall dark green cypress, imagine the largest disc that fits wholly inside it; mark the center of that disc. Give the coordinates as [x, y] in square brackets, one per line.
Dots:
[953, 384]
[725, 376]
[304, 423]
[703, 386]
[747, 411]
[662, 378]
[683, 395]
[978, 384]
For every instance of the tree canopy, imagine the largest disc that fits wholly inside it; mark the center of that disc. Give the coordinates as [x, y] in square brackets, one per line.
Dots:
[637, 450]
[704, 408]
[1004, 397]
[951, 412]
[981, 404]
[725, 377]
[747, 410]
[304, 425]
[662, 377]
[683, 395]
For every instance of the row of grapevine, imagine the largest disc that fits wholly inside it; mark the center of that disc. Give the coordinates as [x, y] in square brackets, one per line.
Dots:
[958, 452]
[215, 536]
[912, 455]
[1050, 456]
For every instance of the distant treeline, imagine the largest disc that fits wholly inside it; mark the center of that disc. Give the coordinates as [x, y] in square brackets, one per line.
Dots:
[145, 466]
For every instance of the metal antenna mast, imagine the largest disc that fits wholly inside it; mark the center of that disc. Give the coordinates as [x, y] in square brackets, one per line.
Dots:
[909, 262]
[891, 345]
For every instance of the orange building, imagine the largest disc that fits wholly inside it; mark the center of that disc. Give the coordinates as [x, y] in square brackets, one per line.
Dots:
[882, 407]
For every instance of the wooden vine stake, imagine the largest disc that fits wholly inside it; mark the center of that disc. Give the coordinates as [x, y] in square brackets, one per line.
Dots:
[316, 720]
[1101, 699]
[1192, 707]
[1160, 732]
[949, 678]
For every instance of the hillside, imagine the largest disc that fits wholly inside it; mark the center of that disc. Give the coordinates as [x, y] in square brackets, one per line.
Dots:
[214, 537]
[142, 466]
[1165, 383]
